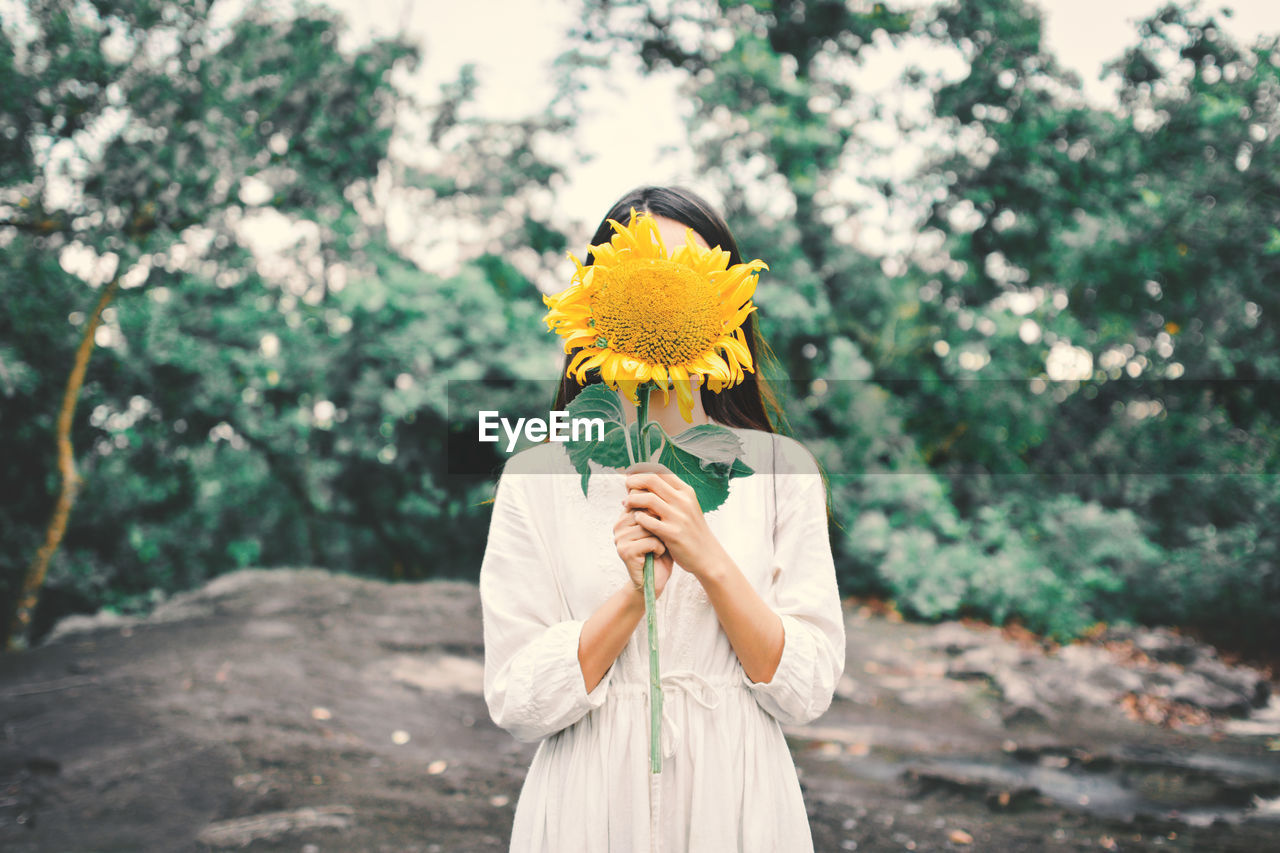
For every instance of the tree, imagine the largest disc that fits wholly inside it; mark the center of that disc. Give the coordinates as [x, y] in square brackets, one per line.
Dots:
[1063, 248]
[136, 134]
[275, 381]
[1143, 241]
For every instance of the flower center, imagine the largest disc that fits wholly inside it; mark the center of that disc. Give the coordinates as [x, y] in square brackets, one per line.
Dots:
[656, 310]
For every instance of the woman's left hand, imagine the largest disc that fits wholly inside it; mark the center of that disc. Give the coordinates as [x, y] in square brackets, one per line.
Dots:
[674, 516]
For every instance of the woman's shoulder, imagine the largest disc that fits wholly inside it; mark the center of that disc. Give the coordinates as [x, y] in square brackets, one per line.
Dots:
[771, 451]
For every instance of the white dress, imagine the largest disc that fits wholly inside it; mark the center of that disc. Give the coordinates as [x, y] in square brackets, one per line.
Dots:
[728, 782]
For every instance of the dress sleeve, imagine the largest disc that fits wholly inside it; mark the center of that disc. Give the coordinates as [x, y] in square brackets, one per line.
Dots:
[533, 682]
[803, 593]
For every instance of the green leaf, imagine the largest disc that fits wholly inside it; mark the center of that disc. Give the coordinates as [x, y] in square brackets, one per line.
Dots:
[706, 457]
[712, 444]
[598, 401]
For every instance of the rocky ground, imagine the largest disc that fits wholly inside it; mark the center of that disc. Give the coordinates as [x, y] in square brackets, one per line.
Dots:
[307, 711]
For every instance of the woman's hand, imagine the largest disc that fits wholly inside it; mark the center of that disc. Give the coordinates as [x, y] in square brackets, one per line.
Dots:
[633, 542]
[672, 514]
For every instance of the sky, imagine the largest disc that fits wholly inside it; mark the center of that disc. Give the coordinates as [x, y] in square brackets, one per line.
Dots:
[512, 43]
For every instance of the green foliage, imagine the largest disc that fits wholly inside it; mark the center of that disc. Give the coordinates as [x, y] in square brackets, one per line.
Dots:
[966, 474]
[240, 409]
[617, 448]
[706, 456]
[1071, 564]
[258, 406]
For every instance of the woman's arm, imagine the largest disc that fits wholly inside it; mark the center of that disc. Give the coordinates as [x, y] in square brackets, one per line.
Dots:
[667, 507]
[606, 633]
[754, 630]
[533, 680]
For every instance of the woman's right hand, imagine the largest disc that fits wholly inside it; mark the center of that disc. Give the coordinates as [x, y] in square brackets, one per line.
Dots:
[633, 542]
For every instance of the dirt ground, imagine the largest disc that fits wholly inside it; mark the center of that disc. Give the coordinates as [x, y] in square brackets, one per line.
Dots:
[306, 711]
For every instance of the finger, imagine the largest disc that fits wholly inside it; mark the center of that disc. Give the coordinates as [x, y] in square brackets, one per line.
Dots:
[636, 551]
[650, 467]
[656, 526]
[653, 545]
[647, 501]
[662, 471]
[634, 533]
[656, 483]
[626, 525]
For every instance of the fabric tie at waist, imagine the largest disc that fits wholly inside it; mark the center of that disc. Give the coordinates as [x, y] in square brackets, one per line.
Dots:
[697, 688]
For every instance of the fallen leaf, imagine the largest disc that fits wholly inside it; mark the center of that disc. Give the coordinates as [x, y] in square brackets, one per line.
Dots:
[399, 737]
[319, 713]
[959, 836]
[435, 768]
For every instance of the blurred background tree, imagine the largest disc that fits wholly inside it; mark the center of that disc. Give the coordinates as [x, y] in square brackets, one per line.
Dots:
[1063, 409]
[246, 406]
[1053, 404]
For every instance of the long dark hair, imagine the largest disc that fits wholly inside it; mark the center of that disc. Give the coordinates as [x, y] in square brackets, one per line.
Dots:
[752, 403]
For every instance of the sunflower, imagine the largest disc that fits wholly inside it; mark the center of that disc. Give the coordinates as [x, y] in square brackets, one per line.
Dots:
[638, 315]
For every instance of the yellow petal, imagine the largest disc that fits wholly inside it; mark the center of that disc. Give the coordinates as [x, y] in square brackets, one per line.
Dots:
[684, 398]
[628, 388]
[738, 286]
[604, 256]
[597, 359]
[624, 237]
[651, 237]
[665, 388]
[718, 367]
[581, 356]
[635, 369]
[580, 339]
[738, 350]
[609, 369]
[740, 316]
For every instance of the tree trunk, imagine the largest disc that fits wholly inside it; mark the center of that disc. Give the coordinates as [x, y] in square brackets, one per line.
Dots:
[34, 581]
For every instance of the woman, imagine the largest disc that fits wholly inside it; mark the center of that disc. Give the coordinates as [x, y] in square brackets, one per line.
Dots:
[751, 631]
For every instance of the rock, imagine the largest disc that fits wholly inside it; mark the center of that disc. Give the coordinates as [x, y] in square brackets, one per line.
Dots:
[80, 623]
[242, 831]
[446, 673]
[953, 638]
[1091, 675]
[1024, 715]
[985, 661]
[1265, 721]
[852, 690]
[1025, 702]
[1243, 681]
[1192, 688]
[1083, 659]
[1159, 644]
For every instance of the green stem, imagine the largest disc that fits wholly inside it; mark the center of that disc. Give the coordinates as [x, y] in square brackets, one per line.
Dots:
[650, 610]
